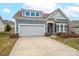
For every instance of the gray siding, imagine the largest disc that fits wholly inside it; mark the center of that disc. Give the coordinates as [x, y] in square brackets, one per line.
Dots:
[30, 22]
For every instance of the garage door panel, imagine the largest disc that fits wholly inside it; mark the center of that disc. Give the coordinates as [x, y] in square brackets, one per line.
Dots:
[32, 30]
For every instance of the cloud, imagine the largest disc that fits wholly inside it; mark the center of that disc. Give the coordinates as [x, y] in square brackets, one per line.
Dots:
[12, 19]
[71, 11]
[6, 10]
[48, 6]
[73, 8]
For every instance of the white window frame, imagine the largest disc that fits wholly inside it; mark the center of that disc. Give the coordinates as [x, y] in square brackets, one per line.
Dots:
[57, 27]
[39, 14]
[63, 27]
[31, 14]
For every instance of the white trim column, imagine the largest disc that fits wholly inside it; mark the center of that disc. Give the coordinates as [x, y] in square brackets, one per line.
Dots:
[63, 27]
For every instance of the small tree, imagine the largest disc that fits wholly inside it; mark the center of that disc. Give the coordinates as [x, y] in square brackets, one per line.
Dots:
[7, 28]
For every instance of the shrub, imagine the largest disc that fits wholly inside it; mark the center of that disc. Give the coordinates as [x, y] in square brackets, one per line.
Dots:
[47, 34]
[14, 35]
[59, 34]
[7, 28]
[68, 35]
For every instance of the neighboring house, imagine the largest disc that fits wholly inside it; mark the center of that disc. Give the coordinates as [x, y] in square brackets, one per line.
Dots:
[37, 23]
[11, 23]
[1, 25]
[74, 26]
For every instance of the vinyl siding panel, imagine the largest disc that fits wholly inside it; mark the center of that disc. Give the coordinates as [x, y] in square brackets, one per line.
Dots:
[59, 16]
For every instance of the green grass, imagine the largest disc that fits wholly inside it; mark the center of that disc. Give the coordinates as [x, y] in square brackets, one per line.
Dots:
[3, 34]
[6, 44]
[72, 42]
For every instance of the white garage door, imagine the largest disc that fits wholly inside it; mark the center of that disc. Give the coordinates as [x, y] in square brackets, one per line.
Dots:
[32, 30]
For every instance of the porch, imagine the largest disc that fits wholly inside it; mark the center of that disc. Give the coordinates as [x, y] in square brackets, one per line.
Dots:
[54, 27]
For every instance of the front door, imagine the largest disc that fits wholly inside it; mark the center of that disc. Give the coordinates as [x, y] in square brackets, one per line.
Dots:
[50, 28]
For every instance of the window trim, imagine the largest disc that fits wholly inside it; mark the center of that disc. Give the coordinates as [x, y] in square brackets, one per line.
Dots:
[65, 27]
[57, 27]
[30, 15]
[26, 12]
[60, 29]
[32, 12]
[38, 13]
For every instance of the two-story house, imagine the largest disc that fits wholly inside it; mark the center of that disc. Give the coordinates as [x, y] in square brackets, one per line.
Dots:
[37, 23]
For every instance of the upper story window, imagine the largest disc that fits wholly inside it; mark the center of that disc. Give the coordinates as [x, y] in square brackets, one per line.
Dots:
[37, 14]
[27, 13]
[32, 13]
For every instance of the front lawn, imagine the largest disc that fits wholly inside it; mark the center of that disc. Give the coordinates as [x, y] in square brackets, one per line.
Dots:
[72, 42]
[6, 44]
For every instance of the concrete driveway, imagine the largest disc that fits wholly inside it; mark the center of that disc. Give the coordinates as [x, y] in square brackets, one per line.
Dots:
[41, 46]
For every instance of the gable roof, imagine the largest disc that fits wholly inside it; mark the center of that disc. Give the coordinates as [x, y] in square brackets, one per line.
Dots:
[1, 19]
[58, 10]
[18, 14]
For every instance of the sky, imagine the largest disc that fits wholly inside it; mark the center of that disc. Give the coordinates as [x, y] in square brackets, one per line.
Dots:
[8, 10]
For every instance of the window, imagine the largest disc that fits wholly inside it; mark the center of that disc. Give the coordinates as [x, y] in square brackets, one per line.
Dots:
[37, 14]
[27, 13]
[32, 14]
[61, 28]
[65, 27]
[57, 28]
